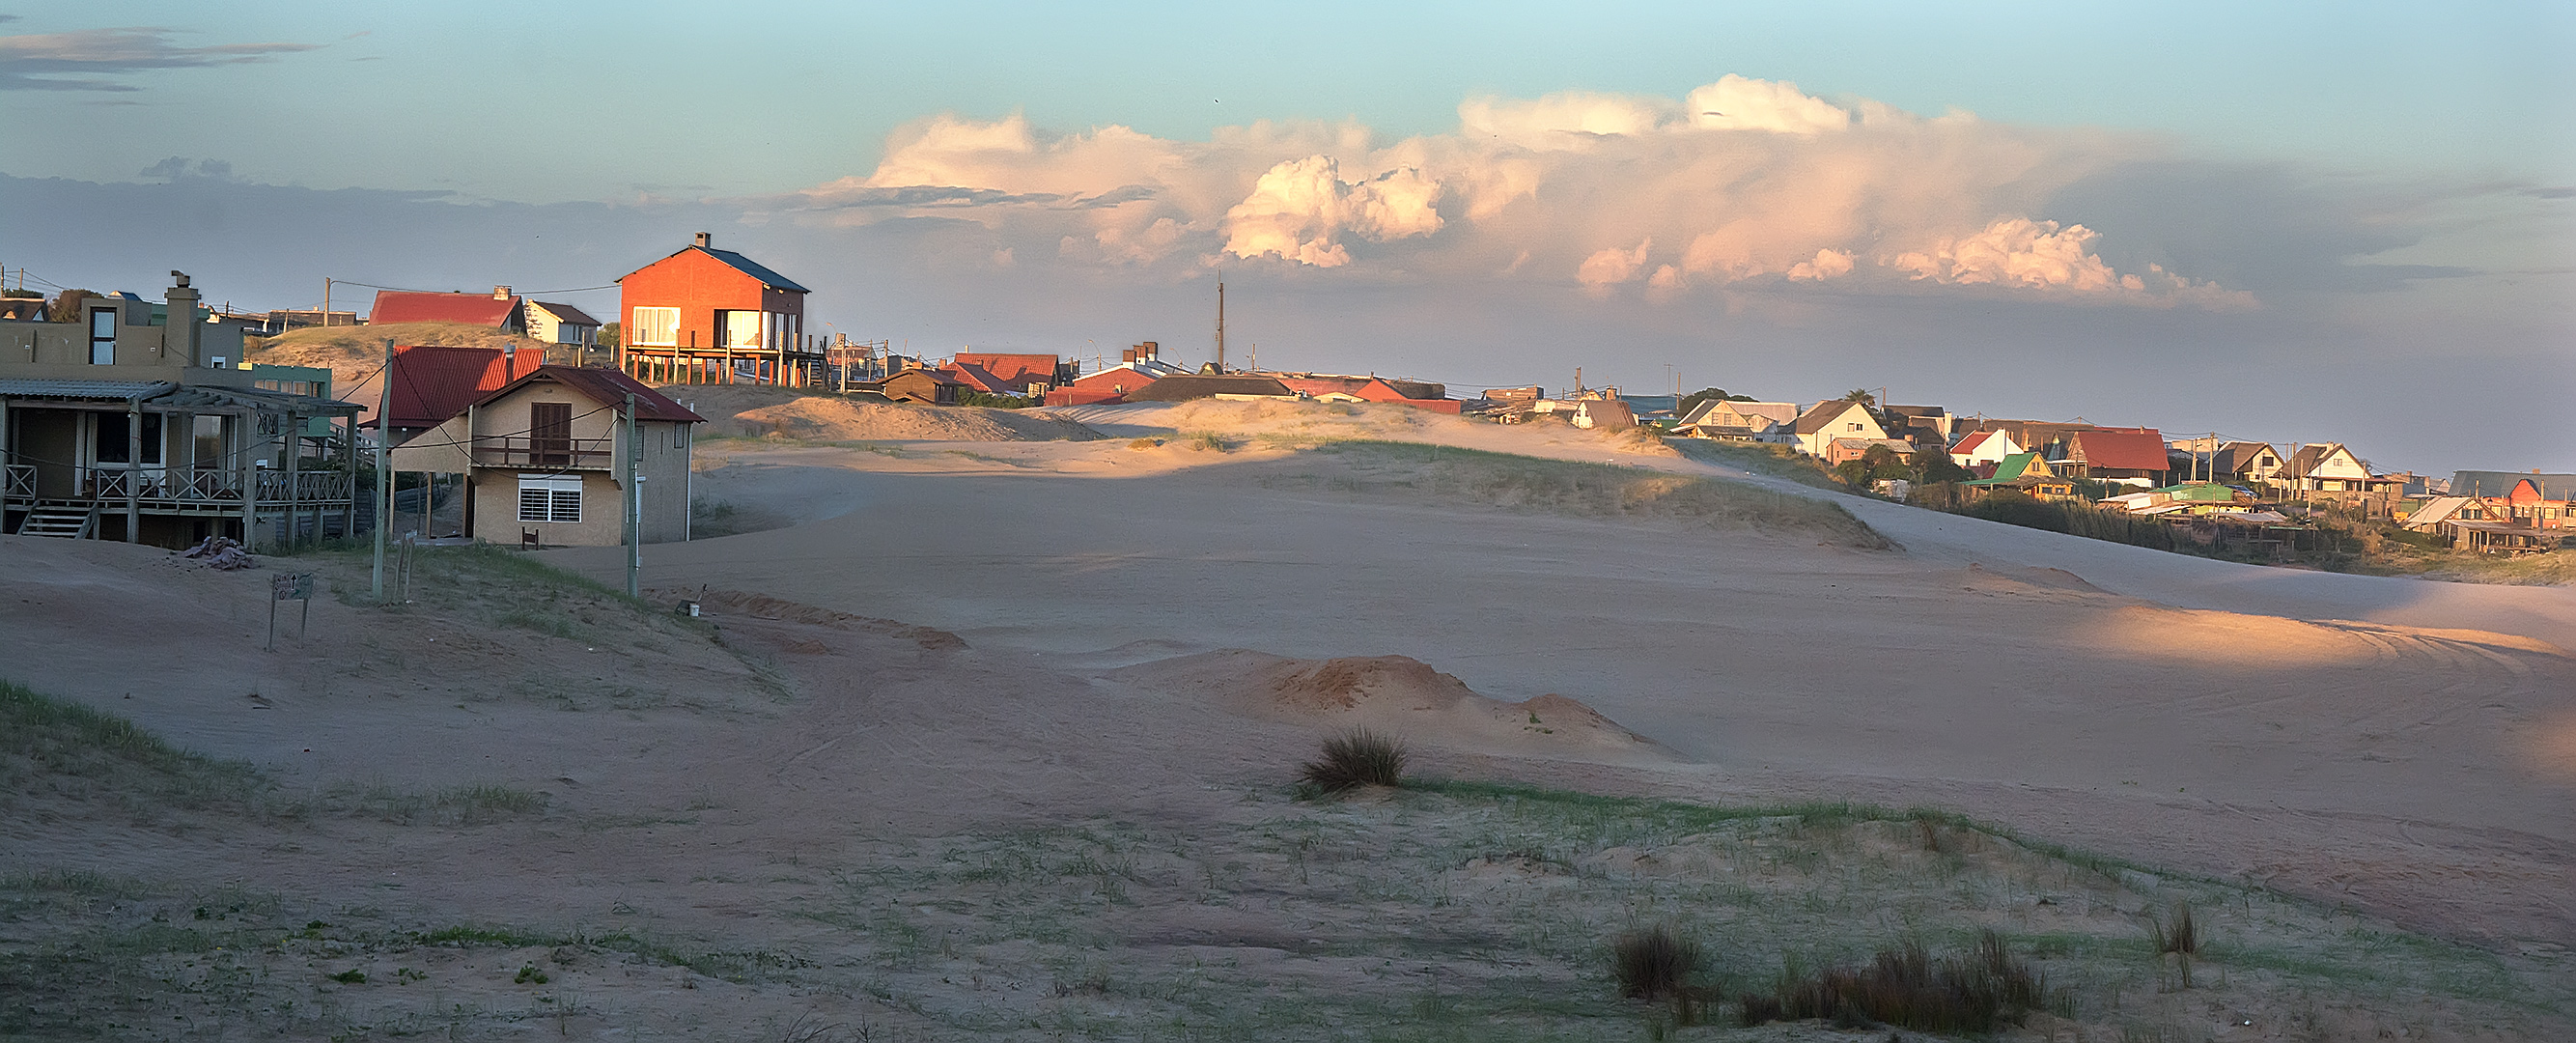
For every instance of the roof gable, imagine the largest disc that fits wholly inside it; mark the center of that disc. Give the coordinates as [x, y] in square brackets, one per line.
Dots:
[565, 313]
[757, 271]
[607, 387]
[432, 382]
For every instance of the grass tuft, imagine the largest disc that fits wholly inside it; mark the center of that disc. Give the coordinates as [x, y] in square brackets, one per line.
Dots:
[1356, 758]
[1654, 963]
[1979, 992]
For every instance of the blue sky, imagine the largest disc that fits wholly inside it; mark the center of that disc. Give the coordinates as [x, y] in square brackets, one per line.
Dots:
[2226, 217]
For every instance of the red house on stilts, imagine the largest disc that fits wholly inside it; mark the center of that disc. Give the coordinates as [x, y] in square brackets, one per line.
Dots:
[709, 316]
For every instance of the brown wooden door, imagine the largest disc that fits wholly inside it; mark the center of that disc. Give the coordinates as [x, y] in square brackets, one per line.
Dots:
[550, 434]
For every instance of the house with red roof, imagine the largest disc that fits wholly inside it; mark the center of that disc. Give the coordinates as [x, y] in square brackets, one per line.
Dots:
[2126, 455]
[1000, 373]
[547, 460]
[432, 382]
[500, 309]
[1983, 448]
[709, 316]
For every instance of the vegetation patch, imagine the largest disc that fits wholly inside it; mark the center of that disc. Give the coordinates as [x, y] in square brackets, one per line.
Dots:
[1356, 758]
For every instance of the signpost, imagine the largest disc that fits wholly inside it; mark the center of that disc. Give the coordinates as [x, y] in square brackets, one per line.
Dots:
[289, 586]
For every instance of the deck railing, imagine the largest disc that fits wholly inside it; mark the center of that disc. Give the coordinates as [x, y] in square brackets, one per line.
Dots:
[18, 480]
[536, 451]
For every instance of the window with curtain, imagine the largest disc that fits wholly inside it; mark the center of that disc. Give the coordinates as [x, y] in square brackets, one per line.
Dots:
[657, 327]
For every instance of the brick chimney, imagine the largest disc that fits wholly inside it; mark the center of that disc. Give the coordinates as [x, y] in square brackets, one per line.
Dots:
[703, 240]
[500, 293]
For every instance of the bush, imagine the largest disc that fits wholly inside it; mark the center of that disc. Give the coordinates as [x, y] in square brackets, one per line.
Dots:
[1357, 758]
[1654, 963]
[1906, 987]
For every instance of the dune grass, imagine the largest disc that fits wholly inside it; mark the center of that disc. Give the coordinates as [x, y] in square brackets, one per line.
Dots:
[54, 748]
[1356, 758]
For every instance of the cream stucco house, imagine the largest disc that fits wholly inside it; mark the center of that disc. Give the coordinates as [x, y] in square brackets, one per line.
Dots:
[547, 459]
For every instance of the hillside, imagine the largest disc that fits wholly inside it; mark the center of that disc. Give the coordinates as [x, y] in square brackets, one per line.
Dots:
[352, 353]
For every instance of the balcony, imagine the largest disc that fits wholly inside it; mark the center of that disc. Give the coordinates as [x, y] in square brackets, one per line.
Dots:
[578, 454]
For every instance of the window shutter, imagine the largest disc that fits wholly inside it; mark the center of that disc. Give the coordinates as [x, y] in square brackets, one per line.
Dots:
[532, 503]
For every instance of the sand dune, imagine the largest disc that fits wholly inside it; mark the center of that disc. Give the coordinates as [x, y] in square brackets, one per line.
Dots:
[1392, 694]
[760, 411]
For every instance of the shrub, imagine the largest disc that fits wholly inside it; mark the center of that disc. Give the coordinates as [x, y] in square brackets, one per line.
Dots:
[2179, 936]
[1906, 987]
[1355, 758]
[1654, 963]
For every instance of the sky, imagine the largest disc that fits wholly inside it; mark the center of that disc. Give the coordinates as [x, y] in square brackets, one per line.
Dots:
[2283, 222]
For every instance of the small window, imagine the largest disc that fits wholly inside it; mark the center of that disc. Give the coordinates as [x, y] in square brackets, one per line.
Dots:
[659, 327]
[550, 498]
[1852, 426]
[102, 337]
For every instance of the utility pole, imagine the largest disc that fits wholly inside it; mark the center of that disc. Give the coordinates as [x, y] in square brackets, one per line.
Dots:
[634, 504]
[326, 321]
[1220, 323]
[384, 459]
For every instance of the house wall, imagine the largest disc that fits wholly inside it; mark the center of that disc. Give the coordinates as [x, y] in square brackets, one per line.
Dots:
[699, 285]
[60, 350]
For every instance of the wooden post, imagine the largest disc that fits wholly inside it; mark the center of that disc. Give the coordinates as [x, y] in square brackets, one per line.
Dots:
[246, 472]
[134, 470]
[294, 450]
[349, 461]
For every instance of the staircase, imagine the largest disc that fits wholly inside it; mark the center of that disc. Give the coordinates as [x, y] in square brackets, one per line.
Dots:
[70, 523]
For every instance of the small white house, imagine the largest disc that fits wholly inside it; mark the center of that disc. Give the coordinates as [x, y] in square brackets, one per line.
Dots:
[1980, 448]
[547, 459]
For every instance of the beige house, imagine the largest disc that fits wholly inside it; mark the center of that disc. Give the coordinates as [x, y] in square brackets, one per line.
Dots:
[1817, 429]
[562, 324]
[134, 424]
[546, 459]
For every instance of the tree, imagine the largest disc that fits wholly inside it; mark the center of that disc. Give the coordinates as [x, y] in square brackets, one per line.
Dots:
[1867, 398]
[1691, 401]
[67, 305]
[609, 336]
[1934, 466]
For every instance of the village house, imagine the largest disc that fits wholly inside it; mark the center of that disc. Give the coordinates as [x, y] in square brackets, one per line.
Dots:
[1137, 367]
[709, 316]
[1842, 450]
[927, 387]
[1983, 449]
[1822, 423]
[432, 382]
[500, 310]
[1738, 421]
[563, 324]
[2328, 472]
[2026, 473]
[121, 427]
[547, 459]
[2123, 455]
[999, 373]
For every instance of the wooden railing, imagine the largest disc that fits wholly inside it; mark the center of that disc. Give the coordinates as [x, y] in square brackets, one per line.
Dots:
[535, 451]
[18, 480]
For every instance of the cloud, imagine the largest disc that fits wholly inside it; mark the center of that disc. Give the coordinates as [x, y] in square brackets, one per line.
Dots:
[1300, 209]
[1755, 185]
[1612, 266]
[87, 59]
[176, 167]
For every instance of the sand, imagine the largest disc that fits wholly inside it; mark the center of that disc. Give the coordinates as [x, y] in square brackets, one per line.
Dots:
[992, 738]
[765, 412]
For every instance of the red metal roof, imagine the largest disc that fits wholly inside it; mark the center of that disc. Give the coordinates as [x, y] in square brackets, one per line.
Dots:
[607, 387]
[433, 382]
[2127, 448]
[976, 377]
[479, 309]
[1011, 371]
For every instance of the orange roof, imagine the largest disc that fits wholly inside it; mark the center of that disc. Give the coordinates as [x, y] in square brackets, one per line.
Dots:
[434, 382]
[2125, 448]
[1009, 370]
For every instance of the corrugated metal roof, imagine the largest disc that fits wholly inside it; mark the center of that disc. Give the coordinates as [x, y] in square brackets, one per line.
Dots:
[752, 268]
[117, 390]
[479, 309]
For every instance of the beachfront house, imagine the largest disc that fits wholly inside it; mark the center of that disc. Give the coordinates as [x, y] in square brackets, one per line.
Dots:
[709, 316]
[124, 426]
[2123, 455]
[563, 324]
[547, 459]
[927, 387]
[1734, 421]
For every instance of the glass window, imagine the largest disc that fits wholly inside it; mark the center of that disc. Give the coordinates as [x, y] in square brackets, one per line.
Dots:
[102, 337]
[741, 329]
[659, 327]
[550, 498]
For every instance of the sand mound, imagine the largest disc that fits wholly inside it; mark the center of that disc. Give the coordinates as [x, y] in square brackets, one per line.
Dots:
[1392, 693]
[1292, 421]
[770, 412]
[762, 606]
[2017, 579]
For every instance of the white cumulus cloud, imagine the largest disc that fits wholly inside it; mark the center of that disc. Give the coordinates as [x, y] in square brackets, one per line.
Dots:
[1610, 267]
[1300, 209]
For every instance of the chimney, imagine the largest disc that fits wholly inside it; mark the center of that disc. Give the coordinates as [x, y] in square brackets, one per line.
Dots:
[702, 240]
[500, 293]
[180, 334]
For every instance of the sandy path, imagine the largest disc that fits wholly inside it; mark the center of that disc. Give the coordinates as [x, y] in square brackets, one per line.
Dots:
[2409, 772]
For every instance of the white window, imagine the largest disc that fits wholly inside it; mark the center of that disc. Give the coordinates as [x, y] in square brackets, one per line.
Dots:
[742, 329]
[550, 498]
[656, 326]
[1853, 427]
